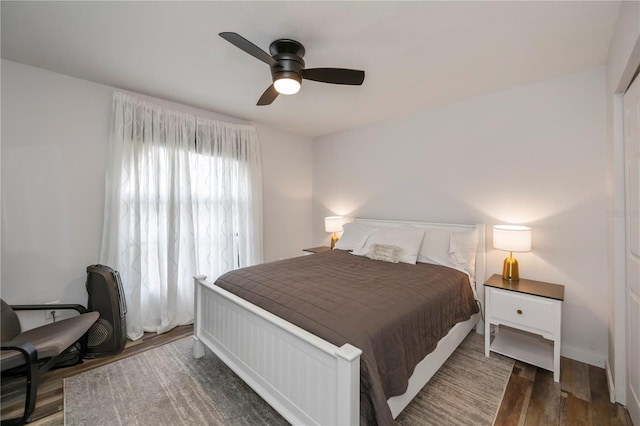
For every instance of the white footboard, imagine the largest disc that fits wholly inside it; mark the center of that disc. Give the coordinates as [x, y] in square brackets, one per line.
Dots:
[306, 379]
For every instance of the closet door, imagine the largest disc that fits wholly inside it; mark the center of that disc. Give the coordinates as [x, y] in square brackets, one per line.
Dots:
[632, 251]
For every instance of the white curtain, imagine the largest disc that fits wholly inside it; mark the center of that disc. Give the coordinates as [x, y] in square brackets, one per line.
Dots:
[183, 197]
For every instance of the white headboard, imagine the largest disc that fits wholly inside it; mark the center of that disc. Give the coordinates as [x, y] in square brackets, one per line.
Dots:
[480, 276]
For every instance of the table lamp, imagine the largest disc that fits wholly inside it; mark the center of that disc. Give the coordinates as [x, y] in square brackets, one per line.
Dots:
[333, 224]
[511, 238]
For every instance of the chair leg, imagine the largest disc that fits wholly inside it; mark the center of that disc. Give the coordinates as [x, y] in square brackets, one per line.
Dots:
[30, 355]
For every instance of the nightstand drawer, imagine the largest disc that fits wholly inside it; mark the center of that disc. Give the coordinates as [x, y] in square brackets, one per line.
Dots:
[536, 313]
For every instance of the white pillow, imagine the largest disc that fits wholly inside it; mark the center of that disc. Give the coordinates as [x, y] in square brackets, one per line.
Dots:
[456, 250]
[408, 240]
[385, 253]
[462, 250]
[354, 236]
[435, 248]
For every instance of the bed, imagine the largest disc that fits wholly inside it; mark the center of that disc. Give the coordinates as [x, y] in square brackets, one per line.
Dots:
[311, 373]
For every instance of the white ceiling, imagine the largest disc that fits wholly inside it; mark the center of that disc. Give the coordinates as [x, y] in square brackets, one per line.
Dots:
[416, 55]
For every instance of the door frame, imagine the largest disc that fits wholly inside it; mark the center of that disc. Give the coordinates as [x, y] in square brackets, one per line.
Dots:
[617, 376]
[632, 146]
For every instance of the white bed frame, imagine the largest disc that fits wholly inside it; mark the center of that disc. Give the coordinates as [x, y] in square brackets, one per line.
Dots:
[305, 378]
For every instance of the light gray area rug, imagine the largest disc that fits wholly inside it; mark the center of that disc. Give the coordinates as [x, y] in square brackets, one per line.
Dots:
[466, 390]
[167, 386]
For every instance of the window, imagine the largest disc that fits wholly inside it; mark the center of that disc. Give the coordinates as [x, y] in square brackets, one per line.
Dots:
[183, 198]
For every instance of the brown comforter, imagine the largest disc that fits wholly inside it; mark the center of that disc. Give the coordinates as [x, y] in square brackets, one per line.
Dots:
[394, 313]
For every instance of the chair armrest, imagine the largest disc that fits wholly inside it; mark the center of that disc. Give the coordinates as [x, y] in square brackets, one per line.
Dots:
[58, 307]
[28, 351]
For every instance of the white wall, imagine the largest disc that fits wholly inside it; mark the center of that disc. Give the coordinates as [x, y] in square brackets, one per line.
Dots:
[54, 136]
[286, 161]
[55, 132]
[622, 62]
[530, 155]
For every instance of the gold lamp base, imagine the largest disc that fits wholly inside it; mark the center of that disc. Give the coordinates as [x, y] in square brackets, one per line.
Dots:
[334, 240]
[510, 269]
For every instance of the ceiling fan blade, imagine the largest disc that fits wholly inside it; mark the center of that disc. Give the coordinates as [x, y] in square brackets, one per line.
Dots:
[334, 75]
[268, 96]
[244, 44]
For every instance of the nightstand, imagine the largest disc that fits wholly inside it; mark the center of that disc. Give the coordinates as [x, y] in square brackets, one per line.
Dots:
[317, 249]
[531, 315]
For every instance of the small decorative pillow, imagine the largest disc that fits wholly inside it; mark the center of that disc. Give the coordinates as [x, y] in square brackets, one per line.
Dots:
[385, 252]
[408, 239]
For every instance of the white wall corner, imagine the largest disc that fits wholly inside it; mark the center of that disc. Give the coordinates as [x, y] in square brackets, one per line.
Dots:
[584, 355]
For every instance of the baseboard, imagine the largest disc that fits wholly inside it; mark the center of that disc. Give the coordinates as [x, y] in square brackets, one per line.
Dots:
[610, 382]
[583, 355]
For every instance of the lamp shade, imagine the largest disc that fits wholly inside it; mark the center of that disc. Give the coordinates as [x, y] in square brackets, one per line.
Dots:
[333, 223]
[512, 238]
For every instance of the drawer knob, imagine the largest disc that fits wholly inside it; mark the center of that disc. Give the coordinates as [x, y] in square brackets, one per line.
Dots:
[519, 311]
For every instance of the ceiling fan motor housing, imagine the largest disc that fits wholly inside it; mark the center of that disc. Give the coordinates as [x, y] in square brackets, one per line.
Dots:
[289, 63]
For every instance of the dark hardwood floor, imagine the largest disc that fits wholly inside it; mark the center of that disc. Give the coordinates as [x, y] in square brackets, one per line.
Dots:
[531, 398]
[581, 397]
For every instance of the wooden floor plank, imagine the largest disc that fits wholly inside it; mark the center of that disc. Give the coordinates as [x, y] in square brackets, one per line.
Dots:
[575, 378]
[524, 370]
[564, 406]
[515, 401]
[545, 402]
[619, 416]
[56, 419]
[599, 396]
[578, 412]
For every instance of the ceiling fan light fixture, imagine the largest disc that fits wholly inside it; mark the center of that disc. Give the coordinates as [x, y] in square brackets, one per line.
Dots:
[288, 67]
[287, 86]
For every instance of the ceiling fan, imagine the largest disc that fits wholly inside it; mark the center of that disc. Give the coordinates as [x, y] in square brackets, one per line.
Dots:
[287, 67]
